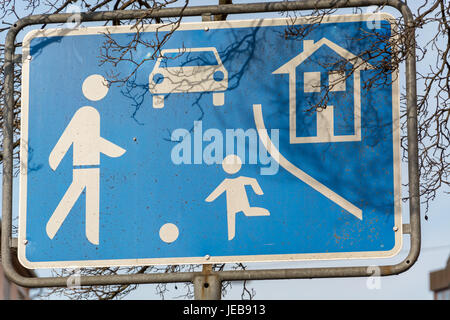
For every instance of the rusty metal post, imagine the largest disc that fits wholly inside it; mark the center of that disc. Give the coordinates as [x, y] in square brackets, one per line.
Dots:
[207, 285]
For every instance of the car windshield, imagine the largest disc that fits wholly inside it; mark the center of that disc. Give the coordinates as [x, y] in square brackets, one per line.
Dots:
[188, 59]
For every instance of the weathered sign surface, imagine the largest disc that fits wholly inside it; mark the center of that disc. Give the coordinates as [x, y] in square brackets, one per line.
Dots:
[238, 142]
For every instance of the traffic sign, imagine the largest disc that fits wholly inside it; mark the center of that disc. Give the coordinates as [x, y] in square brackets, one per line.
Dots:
[237, 143]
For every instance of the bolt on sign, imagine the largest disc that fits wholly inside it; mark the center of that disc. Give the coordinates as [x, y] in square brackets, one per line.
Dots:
[236, 142]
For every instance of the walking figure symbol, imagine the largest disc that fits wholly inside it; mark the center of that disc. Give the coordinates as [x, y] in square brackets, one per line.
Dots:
[83, 132]
[236, 194]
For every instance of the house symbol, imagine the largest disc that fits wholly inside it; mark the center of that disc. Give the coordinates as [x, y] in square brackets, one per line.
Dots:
[324, 69]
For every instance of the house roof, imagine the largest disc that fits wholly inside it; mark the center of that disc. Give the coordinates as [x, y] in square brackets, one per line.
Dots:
[311, 48]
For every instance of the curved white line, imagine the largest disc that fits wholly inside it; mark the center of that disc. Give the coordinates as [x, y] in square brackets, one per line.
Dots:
[316, 185]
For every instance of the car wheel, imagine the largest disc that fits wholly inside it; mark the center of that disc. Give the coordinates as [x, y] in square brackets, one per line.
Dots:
[218, 98]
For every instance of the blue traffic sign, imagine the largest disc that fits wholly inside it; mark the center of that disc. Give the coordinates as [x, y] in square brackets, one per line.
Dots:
[235, 142]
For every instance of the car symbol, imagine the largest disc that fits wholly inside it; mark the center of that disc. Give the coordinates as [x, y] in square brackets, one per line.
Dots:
[188, 70]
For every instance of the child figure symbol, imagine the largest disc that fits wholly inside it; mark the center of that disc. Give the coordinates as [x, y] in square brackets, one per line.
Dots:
[83, 132]
[236, 194]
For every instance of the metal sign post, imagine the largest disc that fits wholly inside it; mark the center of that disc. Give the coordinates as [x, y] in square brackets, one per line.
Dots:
[233, 240]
